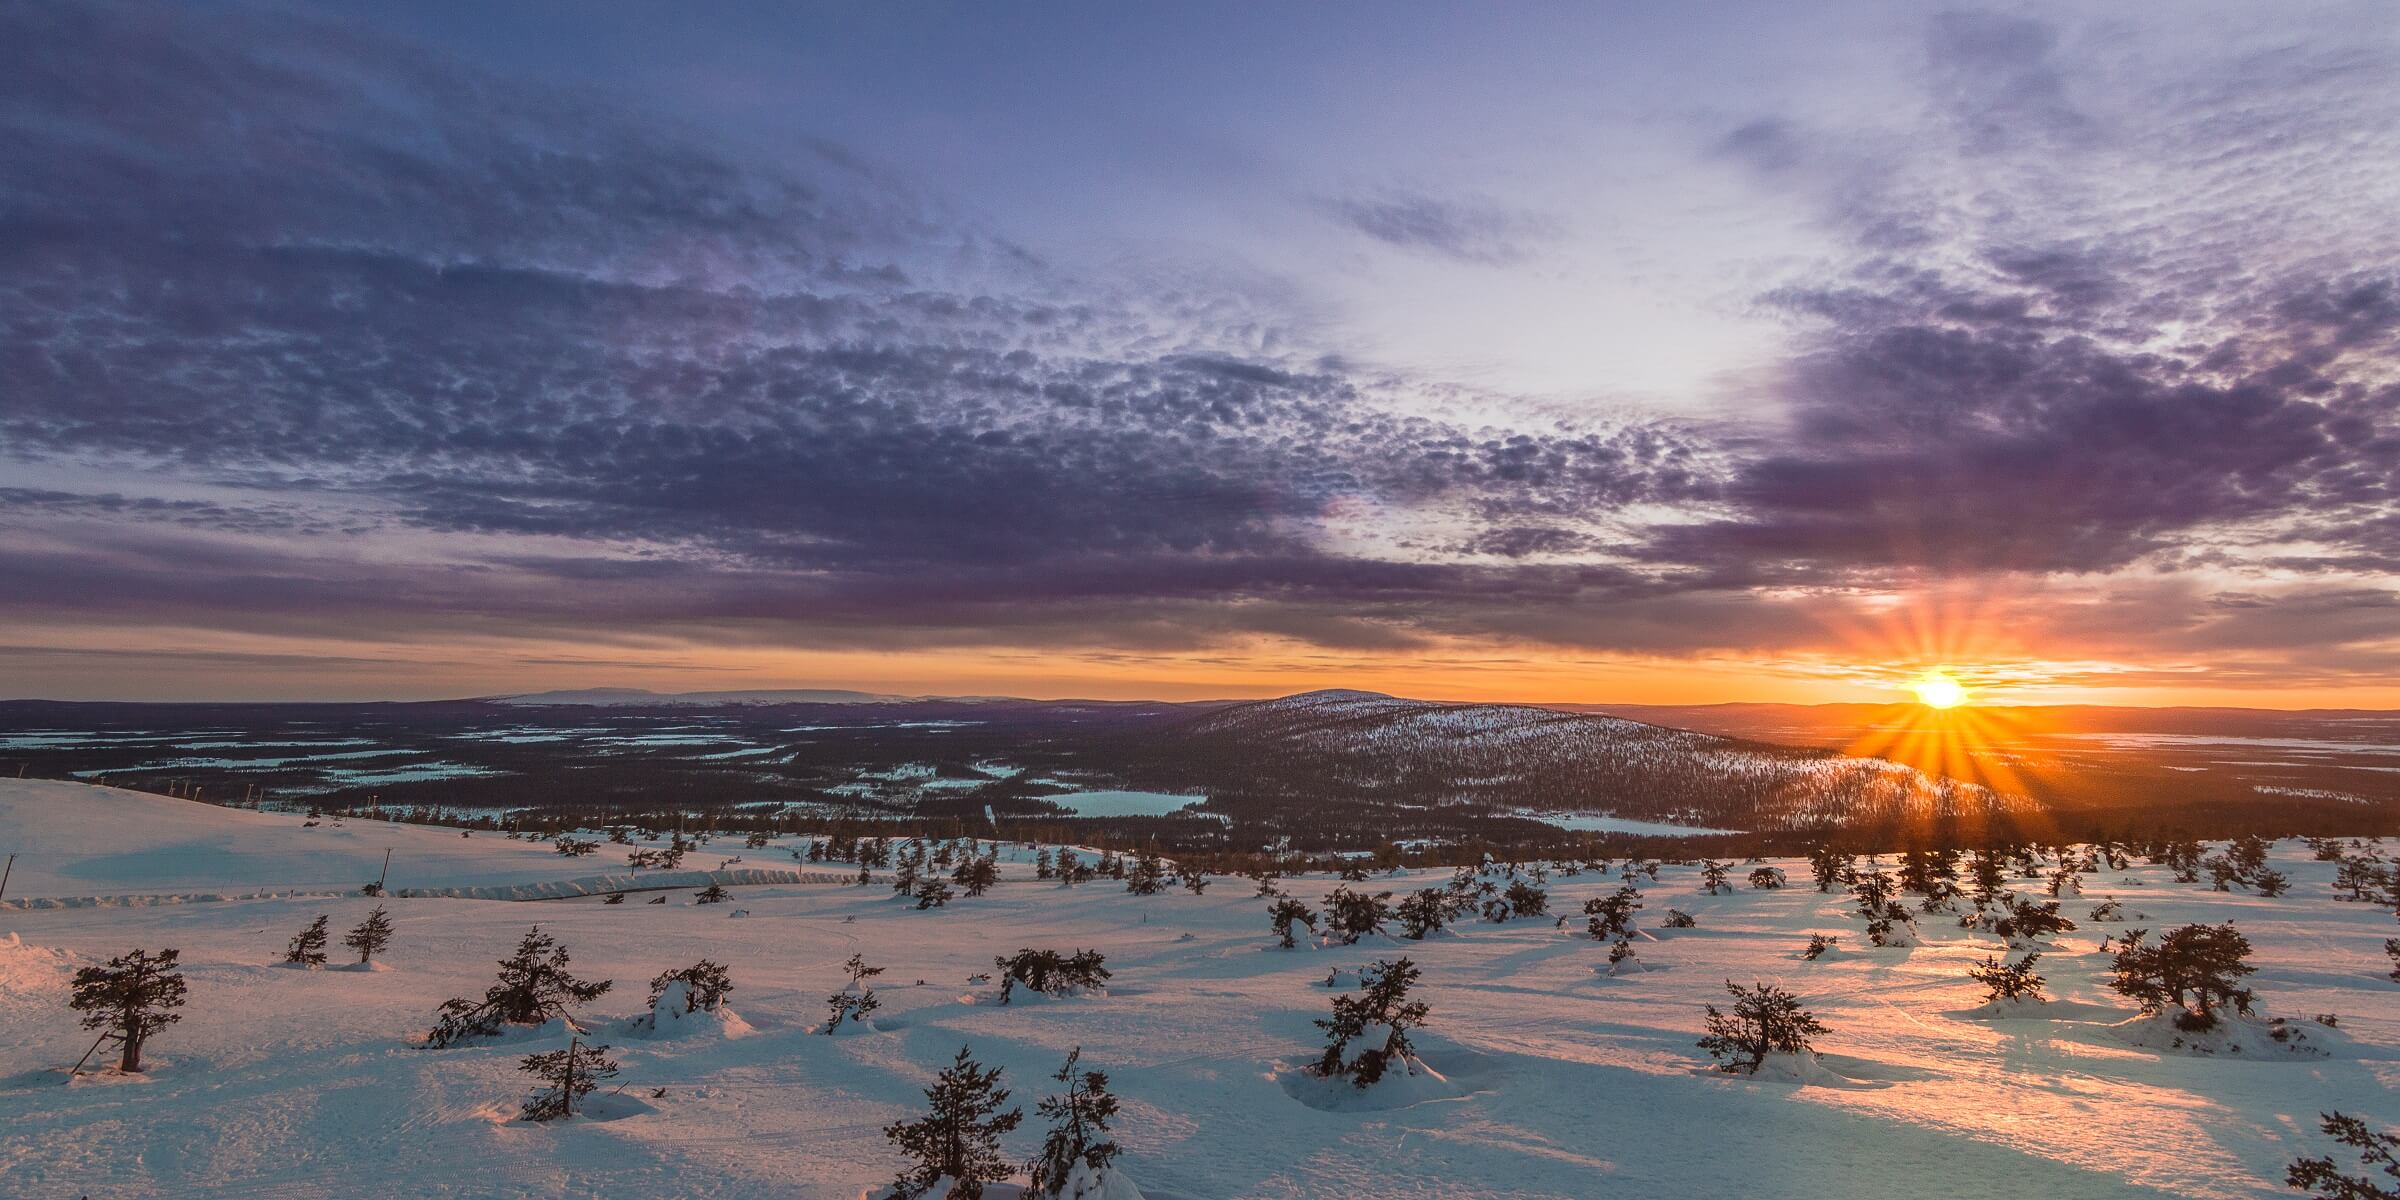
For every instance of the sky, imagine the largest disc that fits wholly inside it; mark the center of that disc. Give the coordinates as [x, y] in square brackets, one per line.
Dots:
[1590, 352]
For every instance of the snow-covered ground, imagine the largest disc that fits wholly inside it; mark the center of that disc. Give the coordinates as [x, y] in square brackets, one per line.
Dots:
[1554, 1080]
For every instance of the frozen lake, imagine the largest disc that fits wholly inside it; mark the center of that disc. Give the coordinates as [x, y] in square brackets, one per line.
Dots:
[1124, 804]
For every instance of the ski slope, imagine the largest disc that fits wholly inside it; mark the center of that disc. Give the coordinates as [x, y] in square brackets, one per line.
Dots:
[1556, 1081]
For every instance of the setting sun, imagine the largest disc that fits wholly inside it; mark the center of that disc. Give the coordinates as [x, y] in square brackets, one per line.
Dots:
[1937, 690]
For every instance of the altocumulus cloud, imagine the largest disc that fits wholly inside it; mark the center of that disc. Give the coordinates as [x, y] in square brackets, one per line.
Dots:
[294, 290]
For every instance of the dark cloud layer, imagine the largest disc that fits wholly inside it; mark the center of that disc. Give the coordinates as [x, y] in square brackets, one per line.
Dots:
[598, 375]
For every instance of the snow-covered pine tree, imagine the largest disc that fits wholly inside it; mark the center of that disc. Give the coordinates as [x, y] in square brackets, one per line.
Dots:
[1195, 880]
[859, 972]
[2004, 980]
[976, 875]
[533, 987]
[1078, 1143]
[1424, 912]
[1620, 954]
[374, 933]
[2027, 921]
[712, 894]
[1713, 875]
[2322, 1177]
[131, 998]
[1286, 913]
[308, 946]
[1765, 1020]
[1611, 916]
[1148, 876]
[958, 1139]
[1818, 944]
[1380, 1016]
[933, 891]
[1351, 915]
[1051, 973]
[845, 1007]
[2196, 969]
[566, 1076]
[706, 985]
[1826, 865]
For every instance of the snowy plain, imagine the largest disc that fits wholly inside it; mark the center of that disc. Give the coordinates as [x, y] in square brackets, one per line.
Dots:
[1556, 1080]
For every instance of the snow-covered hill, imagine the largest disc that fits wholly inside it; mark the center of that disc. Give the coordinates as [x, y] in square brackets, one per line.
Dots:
[78, 842]
[1554, 1080]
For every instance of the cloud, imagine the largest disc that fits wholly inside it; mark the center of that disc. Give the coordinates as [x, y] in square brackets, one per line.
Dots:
[1464, 231]
[366, 342]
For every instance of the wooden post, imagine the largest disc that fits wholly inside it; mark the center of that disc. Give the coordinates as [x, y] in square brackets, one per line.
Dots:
[5, 872]
[566, 1086]
[77, 1069]
[387, 870]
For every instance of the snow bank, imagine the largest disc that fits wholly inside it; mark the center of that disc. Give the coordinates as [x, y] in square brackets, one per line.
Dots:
[2233, 1034]
[672, 1016]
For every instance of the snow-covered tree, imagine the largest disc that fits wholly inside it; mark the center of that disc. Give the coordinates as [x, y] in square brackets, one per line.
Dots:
[1148, 876]
[308, 946]
[2027, 921]
[1765, 1020]
[1826, 866]
[1078, 1142]
[1051, 973]
[958, 1139]
[933, 891]
[1424, 912]
[1766, 877]
[1611, 916]
[705, 986]
[533, 987]
[374, 933]
[566, 1076]
[2196, 969]
[1818, 944]
[975, 876]
[1621, 957]
[1351, 915]
[1713, 875]
[131, 998]
[1368, 1032]
[1286, 913]
[847, 1007]
[1519, 899]
[2004, 980]
[2376, 1151]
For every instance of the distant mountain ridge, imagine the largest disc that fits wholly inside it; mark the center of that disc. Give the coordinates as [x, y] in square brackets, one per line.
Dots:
[617, 697]
[1420, 753]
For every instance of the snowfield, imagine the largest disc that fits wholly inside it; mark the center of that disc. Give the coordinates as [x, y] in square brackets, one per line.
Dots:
[1547, 1078]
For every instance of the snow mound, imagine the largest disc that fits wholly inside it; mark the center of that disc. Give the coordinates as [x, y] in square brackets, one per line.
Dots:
[1403, 1085]
[674, 1017]
[2233, 1035]
[1086, 1183]
[1801, 1070]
